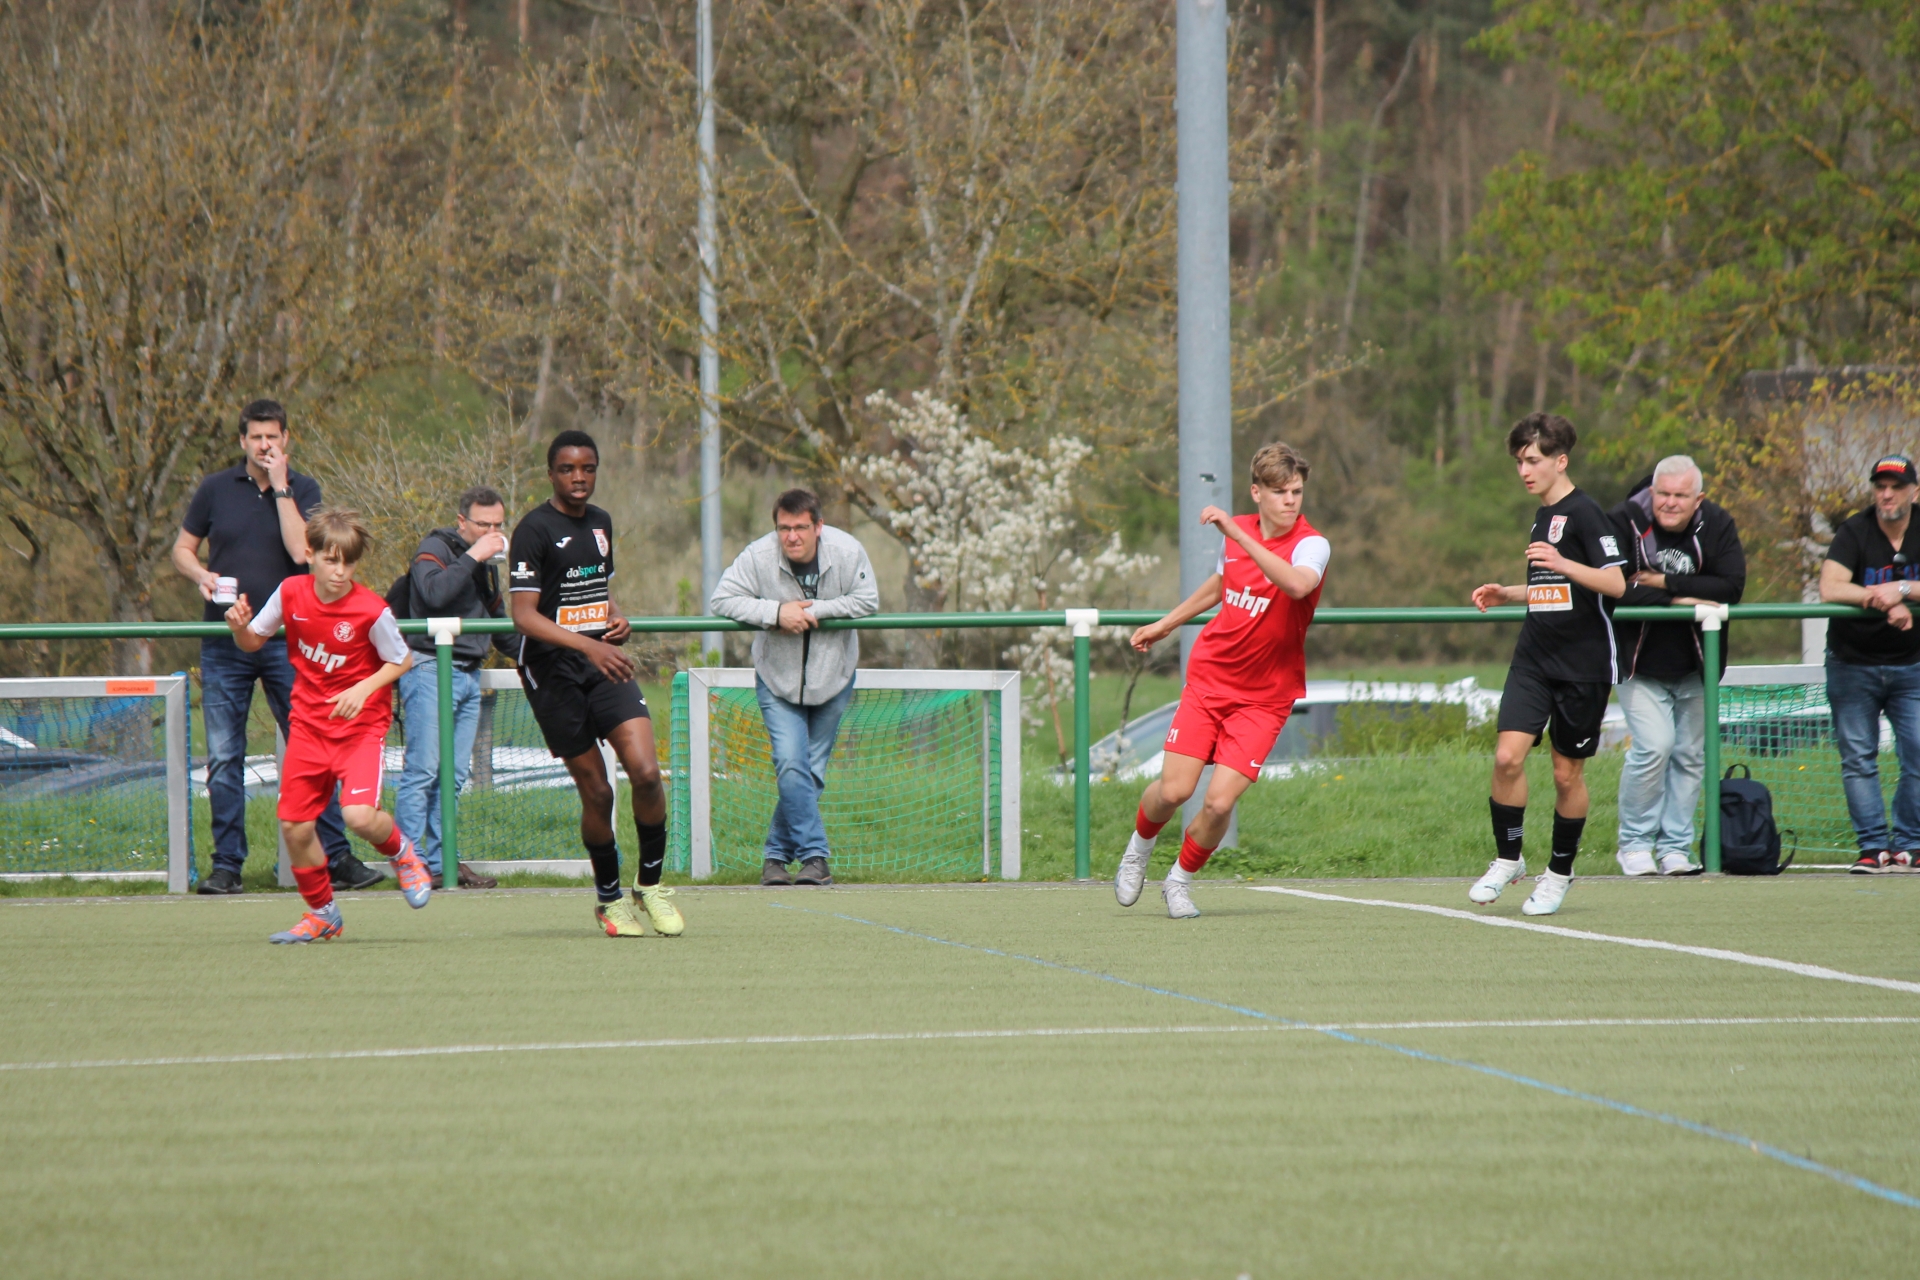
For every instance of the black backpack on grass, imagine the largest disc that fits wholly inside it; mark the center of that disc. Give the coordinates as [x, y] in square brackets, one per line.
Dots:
[1749, 839]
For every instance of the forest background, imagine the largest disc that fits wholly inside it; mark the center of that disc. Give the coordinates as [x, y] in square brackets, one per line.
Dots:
[441, 231]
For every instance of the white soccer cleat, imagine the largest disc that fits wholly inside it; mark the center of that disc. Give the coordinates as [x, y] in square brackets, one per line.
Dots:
[1132, 875]
[1677, 864]
[1548, 893]
[1500, 874]
[1179, 901]
[1640, 863]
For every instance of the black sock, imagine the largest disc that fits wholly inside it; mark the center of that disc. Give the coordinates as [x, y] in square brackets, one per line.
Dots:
[653, 853]
[606, 869]
[1566, 843]
[1509, 828]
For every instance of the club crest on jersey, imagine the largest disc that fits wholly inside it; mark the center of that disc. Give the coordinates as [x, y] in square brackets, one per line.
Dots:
[600, 540]
[343, 632]
[318, 655]
[1556, 527]
[1253, 604]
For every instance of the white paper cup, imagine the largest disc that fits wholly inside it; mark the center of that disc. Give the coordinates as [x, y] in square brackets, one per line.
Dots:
[226, 590]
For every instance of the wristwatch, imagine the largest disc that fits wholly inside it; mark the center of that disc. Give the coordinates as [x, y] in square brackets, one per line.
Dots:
[284, 493]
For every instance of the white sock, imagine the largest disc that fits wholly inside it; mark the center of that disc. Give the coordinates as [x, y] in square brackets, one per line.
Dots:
[1179, 874]
[1138, 843]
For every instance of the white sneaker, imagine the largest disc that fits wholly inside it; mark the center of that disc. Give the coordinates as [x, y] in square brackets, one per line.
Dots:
[1132, 875]
[1500, 874]
[1640, 863]
[1677, 864]
[1548, 892]
[1179, 902]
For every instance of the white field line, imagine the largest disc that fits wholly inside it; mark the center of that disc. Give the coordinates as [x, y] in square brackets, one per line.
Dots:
[705, 1042]
[1647, 944]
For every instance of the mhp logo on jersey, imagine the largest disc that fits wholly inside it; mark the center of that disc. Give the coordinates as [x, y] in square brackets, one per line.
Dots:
[317, 654]
[1253, 604]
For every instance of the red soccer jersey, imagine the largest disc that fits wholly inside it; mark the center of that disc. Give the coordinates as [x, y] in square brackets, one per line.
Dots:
[334, 647]
[1254, 650]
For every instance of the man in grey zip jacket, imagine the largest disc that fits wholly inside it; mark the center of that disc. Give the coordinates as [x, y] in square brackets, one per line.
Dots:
[787, 583]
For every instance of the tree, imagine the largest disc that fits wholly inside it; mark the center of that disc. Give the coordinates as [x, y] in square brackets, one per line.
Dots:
[993, 528]
[976, 198]
[1754, 200]
[194, 211]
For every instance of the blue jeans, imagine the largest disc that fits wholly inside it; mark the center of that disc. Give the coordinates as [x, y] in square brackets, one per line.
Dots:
[417, 806]
[1859, 696]
[802, 740]
[1660, 778]
[227, 674]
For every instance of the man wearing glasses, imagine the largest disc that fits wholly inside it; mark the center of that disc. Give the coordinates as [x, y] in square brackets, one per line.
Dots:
[454, 574]
[1873, 664]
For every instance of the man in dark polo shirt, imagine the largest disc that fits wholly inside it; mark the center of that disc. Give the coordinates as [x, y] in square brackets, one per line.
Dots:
[1873, 664]
[254, 519]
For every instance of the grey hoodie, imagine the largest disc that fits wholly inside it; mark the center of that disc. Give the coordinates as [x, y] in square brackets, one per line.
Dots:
[812, 667]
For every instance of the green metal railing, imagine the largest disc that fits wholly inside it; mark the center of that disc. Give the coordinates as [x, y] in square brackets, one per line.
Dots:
[1082, 622]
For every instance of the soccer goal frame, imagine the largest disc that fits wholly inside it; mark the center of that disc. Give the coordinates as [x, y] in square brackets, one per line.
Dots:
[1004, 684]
[172, 690]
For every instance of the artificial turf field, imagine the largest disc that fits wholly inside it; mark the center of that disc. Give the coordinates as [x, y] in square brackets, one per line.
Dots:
[848, 1096]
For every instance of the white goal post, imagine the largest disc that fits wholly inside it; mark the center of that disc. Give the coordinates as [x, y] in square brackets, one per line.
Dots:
[172, 690]
[1005, 684]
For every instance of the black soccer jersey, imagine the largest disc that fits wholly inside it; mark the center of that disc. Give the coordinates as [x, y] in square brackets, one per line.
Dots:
[569, 563]
[1568, 634]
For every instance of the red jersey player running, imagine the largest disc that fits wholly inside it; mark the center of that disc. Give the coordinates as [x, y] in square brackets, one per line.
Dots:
[1246, 671]
[347, 653]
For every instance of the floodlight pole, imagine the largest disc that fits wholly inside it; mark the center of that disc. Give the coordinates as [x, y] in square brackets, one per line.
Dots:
[1205, 346]
[709, 345]
[1205, 351]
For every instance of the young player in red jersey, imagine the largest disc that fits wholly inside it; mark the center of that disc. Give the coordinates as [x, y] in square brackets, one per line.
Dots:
[347, 653]
[1246, 671]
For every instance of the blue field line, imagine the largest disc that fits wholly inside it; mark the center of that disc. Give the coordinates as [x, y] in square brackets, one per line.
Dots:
[1754, 1145]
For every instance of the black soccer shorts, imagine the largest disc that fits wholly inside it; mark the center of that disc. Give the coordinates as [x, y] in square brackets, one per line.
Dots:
[575, 714]
[1568, 711]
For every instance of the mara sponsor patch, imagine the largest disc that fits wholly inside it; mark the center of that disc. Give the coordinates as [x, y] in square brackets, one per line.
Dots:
[1550, 597]
[582, 617]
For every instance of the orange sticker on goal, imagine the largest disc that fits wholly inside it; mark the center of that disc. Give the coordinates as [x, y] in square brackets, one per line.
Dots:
[1550, 597]
[130, 688]
[582, 617]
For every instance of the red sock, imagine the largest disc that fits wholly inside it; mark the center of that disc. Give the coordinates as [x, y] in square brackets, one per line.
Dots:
[391, 845]
[1192, 856]
[316, 885]
[1145, 826]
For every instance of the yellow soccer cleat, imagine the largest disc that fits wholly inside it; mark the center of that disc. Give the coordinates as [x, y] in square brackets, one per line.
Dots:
[619, 919]
[661, 914]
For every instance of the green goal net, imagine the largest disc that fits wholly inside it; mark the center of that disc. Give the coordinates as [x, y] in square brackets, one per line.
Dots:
[1783, 732]
[923, 782]
[94, 778]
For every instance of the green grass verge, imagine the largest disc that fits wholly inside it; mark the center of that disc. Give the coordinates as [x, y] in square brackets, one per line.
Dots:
[1249, 1151]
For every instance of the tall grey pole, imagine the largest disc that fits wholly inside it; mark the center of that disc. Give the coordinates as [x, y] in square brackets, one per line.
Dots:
[709, 345]
[1206, 356]
[1205, 350]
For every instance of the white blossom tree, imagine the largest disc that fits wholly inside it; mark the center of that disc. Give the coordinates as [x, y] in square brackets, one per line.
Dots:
[992, 528]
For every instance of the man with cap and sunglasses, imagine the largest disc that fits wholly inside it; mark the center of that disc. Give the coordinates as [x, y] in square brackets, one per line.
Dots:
[1873, 664]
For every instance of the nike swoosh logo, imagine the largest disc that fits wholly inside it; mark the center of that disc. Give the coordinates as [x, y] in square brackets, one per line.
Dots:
[359, 791]
[298, 618]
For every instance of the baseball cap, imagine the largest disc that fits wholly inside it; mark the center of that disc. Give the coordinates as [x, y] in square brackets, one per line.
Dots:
[1896, 466]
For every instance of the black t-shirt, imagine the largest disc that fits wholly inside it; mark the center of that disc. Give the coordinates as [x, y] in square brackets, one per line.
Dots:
[1861, 547]
[569, 562]
[1668, 650]
[807, 575]
[241, 523]
[1568, 634]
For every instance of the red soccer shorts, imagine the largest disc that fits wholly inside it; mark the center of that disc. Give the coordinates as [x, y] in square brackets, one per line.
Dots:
[1237, 735]
[314, 764]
